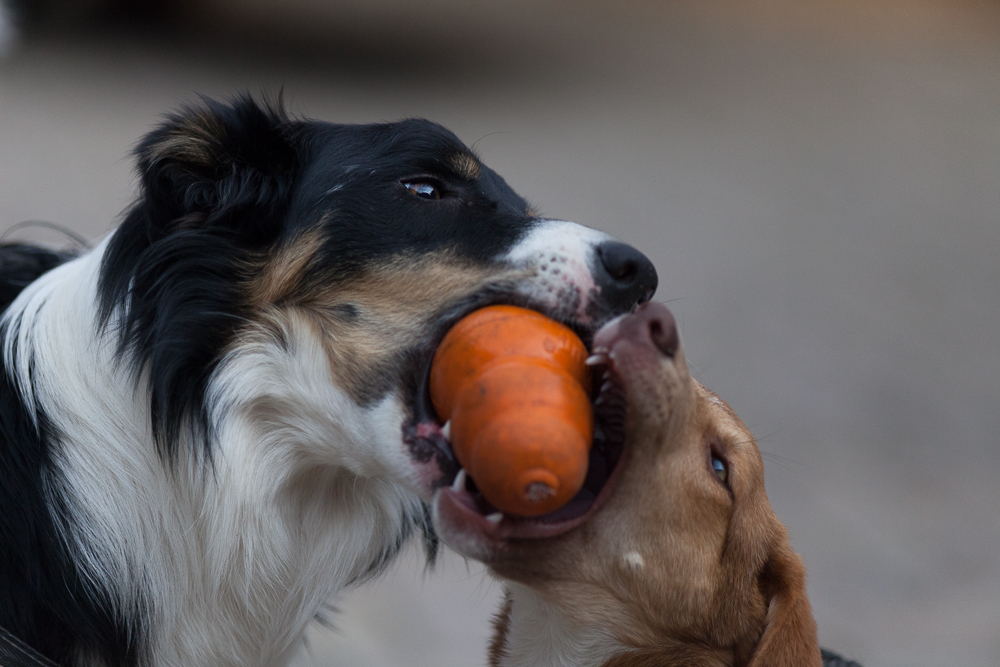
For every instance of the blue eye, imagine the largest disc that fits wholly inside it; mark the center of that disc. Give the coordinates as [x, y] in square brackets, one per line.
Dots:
[719, 468]
[423, 189]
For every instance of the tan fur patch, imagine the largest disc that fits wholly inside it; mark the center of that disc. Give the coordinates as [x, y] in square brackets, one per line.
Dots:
[192, 140]
[466, 165]
[369, 323]
[282, 273]
[501, 626]
[366, 324]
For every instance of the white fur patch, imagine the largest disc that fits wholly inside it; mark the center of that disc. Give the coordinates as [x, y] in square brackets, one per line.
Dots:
[634, 559]
[539, 636]
[563, 255]
[235, 558]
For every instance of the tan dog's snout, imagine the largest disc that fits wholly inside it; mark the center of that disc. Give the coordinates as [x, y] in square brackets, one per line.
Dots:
[652, 324]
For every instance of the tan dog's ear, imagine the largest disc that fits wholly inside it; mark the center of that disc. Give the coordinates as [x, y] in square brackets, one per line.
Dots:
[789, 638]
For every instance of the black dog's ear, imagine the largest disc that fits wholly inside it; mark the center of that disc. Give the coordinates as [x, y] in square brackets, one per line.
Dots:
[219, 164]
[216, 185]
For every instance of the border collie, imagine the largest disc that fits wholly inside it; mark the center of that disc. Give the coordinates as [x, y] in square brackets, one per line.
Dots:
[218, 418]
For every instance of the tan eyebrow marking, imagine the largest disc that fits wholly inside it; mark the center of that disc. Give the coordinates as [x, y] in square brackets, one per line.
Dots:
[465, 165]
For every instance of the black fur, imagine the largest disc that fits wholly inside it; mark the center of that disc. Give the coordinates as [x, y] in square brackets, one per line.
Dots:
[44, 598]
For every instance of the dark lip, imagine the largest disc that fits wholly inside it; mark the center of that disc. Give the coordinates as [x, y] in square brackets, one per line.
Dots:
[459, 508]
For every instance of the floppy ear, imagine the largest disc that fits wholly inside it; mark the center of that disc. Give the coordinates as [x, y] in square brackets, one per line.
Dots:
[789, 638]
[217, 182]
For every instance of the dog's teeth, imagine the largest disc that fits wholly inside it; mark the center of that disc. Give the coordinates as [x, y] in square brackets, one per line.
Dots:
[459, 484]
[606, 386]
[596, 360]
[446, 430]
[495, 518]
[600, 351]
[600, 400]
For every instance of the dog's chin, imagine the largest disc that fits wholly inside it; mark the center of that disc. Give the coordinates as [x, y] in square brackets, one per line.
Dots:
[467, 522]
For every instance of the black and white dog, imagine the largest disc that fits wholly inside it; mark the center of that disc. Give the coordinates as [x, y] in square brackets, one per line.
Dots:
[218, 418]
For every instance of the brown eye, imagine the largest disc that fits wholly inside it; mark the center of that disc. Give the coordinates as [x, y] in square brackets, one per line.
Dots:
[423, 189]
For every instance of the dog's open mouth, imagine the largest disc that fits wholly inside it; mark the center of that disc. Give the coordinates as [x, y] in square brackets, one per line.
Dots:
[460, 503]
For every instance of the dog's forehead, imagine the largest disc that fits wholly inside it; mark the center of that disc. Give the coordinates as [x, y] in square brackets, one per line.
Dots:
[411, 146]
[353, 185]
[720, 420]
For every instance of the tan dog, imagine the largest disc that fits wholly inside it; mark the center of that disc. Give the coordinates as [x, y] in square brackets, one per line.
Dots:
[679, 560]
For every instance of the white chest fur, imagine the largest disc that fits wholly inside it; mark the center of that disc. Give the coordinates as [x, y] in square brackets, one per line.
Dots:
[538, 635]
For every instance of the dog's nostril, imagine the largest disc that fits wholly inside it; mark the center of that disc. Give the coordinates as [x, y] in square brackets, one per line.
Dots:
[625, 275]
[619, 260]
[664, 336]
[621, 269]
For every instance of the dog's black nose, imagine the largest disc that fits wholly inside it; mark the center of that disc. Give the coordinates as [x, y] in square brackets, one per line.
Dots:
[626, 276]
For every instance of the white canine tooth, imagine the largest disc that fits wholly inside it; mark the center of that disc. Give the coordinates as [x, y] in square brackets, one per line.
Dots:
[459, 484]
[495, 518]
[596, 359]
[446, 430]
[606, 386]
[600, 400]
[600, 350]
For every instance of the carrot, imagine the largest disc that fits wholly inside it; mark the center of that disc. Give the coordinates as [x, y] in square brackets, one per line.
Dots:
[515, 387]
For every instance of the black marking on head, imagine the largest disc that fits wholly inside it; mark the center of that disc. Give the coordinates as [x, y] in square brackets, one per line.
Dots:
[45, 598]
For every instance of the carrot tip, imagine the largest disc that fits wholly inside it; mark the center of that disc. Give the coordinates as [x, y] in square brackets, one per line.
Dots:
[538, 492]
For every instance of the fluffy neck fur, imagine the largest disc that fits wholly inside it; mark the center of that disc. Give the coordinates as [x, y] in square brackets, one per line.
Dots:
[533, 633]
[223, 562]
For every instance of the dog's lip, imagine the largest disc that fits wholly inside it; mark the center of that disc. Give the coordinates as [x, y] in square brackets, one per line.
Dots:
[458, 508]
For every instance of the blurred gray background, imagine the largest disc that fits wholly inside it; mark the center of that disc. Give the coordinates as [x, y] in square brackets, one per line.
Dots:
[817, 181]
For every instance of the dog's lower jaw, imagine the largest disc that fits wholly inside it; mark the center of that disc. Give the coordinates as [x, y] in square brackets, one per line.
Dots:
[534, 633]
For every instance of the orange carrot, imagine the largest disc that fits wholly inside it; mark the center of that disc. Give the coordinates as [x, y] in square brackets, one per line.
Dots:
[515, 387]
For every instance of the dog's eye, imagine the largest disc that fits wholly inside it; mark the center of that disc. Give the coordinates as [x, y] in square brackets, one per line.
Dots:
[720, 469]
[423, 189]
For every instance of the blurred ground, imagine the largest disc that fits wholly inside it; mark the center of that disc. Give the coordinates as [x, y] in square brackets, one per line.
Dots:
[817, 181]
